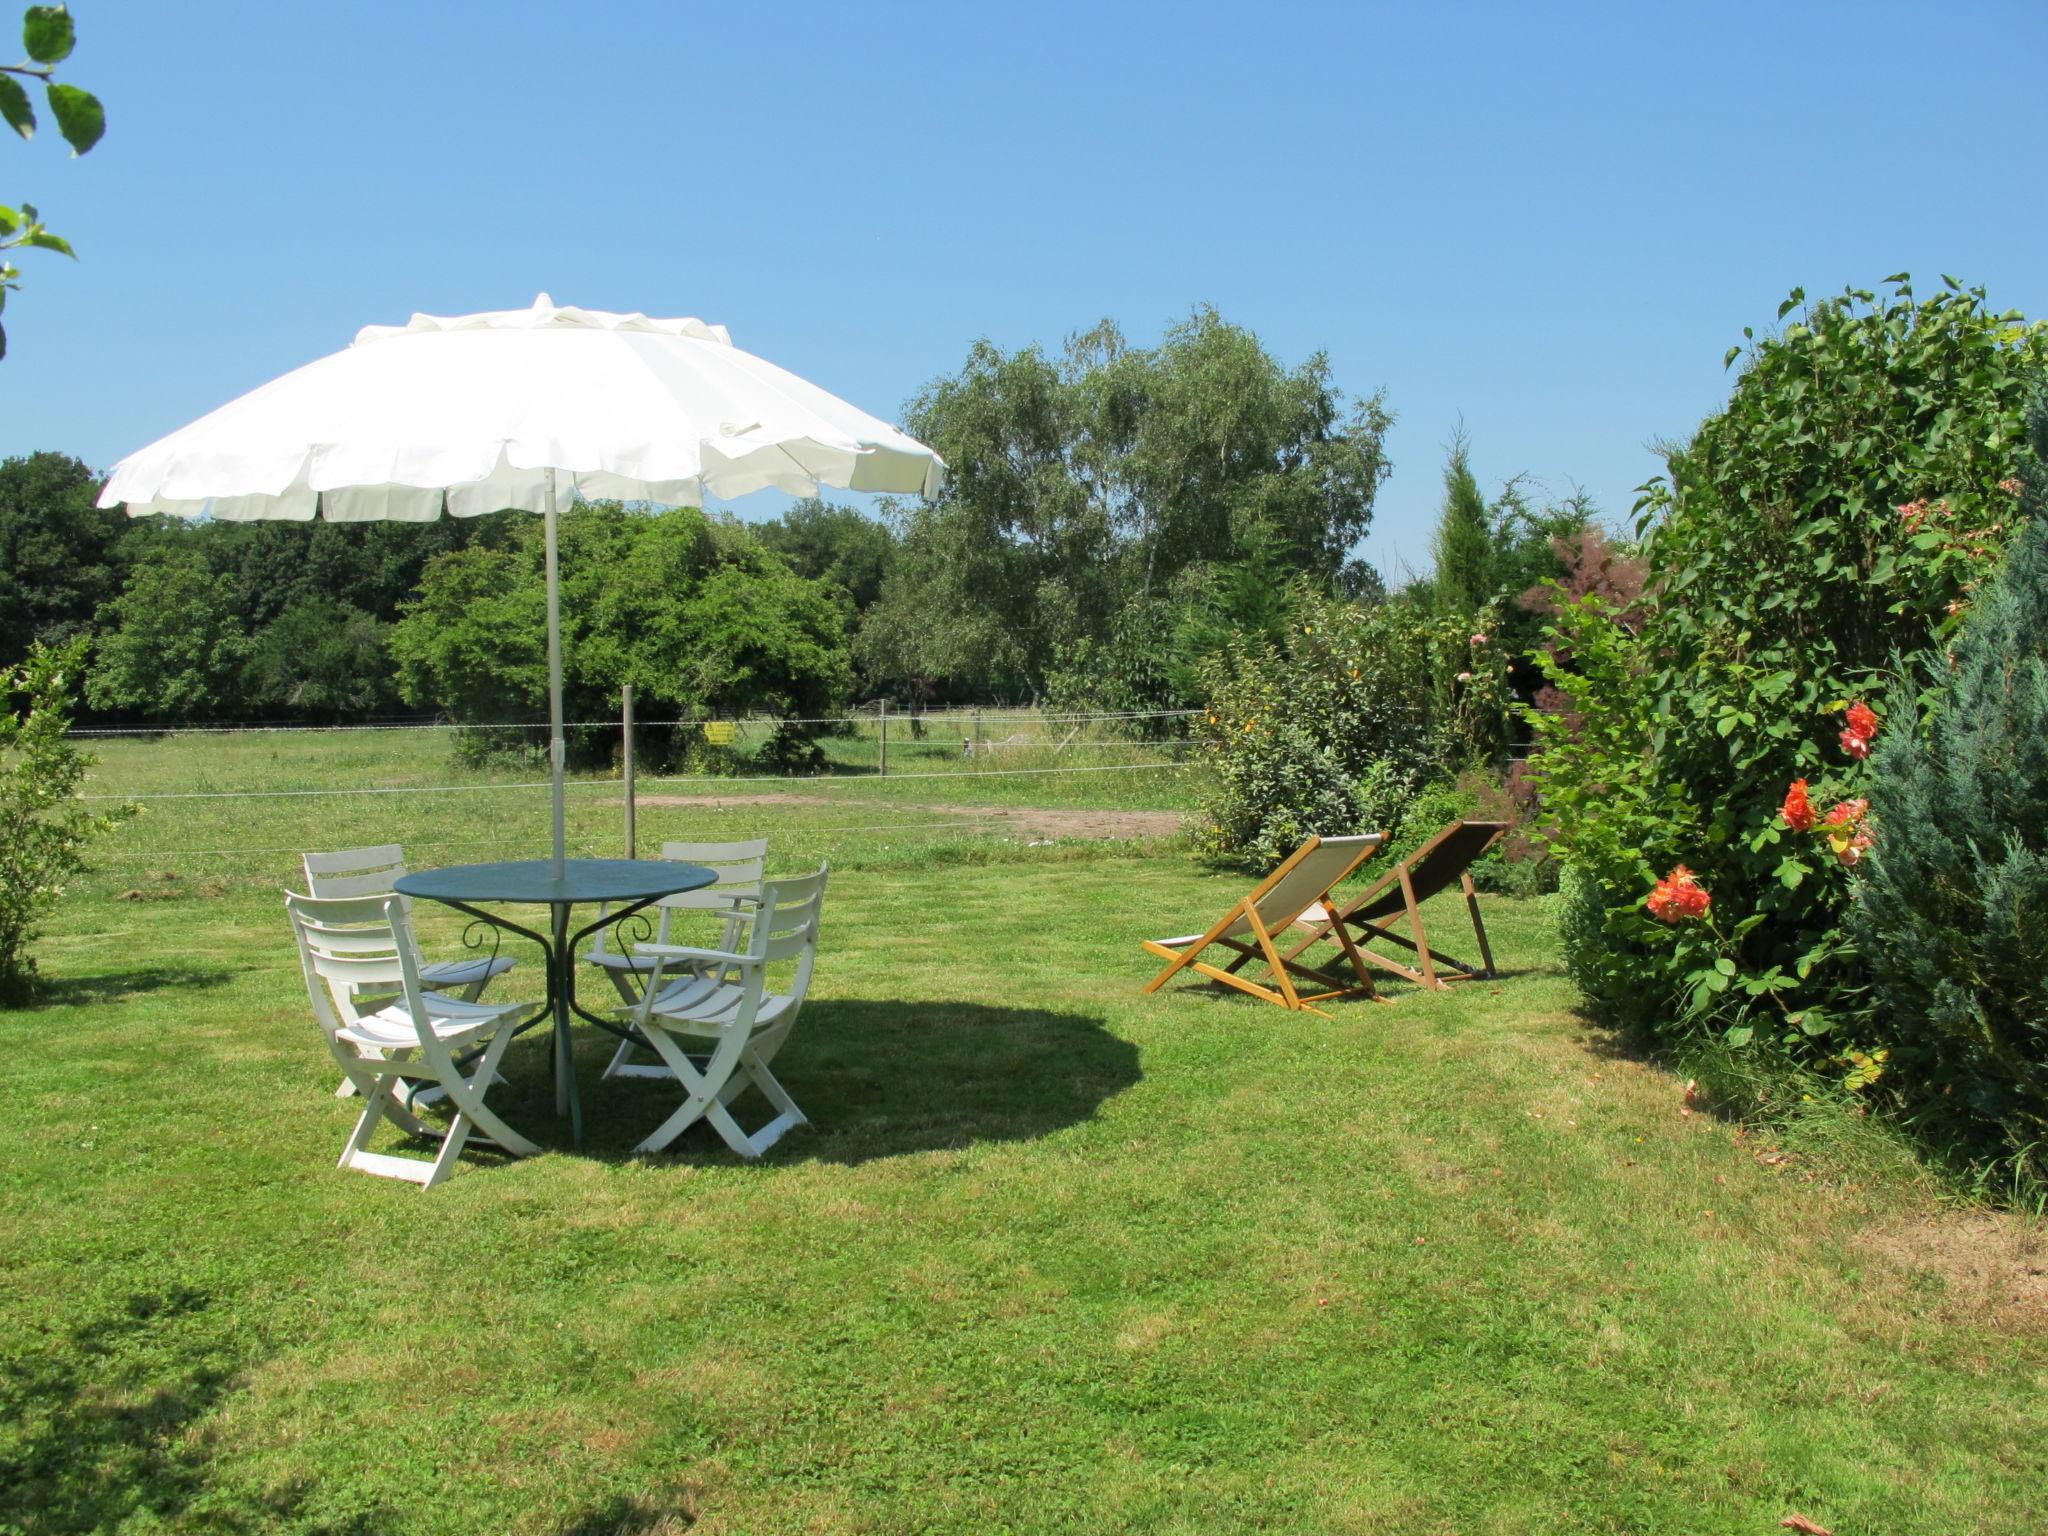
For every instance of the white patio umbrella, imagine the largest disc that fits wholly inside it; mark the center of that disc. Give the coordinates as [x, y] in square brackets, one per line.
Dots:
[468, 414]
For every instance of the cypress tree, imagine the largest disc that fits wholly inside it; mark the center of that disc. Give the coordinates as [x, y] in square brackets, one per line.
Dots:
[1952, 916]
[1463, 543]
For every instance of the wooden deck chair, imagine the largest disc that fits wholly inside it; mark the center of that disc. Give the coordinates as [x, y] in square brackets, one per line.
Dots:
[717, 1024]
[1303, 881]
[1442, 862]
[352, 947]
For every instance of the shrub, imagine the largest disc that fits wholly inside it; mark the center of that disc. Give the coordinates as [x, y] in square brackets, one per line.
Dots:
[1338, 728]
[43, 828]
[1835, 514]
[1952, 916]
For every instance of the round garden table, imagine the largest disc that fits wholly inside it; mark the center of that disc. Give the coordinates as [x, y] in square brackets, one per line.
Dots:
[623, 885]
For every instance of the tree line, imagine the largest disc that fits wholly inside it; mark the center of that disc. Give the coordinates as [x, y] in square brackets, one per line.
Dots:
[1117, 517]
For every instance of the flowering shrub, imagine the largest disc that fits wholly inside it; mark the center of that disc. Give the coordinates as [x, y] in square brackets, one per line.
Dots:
[1339, 728]
[1787, 568]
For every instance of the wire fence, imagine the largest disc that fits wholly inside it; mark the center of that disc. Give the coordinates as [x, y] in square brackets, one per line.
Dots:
[998, 756]
[613, 784]
[910, 719]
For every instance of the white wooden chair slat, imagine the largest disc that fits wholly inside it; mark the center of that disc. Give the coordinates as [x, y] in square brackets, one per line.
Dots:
[744, 1021]
[411, 1041]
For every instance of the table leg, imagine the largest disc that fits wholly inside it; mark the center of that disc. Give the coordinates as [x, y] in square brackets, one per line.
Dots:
[561, 981]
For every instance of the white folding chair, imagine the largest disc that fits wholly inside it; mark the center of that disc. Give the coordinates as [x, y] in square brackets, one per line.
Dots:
[722, 1004]
[374, 872]
[356, 946]
[351, 872]
[739, 867]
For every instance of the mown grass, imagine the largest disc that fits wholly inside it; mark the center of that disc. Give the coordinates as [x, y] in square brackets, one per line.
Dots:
[1053, 1256]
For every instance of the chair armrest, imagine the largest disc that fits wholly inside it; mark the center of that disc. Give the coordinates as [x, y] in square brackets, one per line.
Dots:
[687, 952]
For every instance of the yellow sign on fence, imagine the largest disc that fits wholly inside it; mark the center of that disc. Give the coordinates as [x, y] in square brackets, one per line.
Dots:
[721, 733]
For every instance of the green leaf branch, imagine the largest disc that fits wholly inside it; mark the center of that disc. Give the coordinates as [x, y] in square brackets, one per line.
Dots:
[48, 36]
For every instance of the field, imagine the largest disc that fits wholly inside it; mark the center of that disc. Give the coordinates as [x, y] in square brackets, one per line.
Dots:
[1053, 1256]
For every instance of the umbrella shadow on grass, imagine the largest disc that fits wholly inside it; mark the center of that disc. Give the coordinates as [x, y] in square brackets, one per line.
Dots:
[875, 1079]
[97, 1427]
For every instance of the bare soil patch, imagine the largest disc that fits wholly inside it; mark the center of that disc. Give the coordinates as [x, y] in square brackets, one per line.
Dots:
[1991, 1265]
[1025, 820]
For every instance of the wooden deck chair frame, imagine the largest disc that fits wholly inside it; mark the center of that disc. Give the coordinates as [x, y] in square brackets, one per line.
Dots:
[1357, 924]
[355, 946]
[1266, 914]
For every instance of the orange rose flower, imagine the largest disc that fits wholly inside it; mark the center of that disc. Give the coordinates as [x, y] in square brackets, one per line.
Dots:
[1798, 810]
[1678, 896]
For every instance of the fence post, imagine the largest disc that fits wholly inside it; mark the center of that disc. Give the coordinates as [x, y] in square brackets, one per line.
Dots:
[977, 736]
[626, 730]
[885, 738]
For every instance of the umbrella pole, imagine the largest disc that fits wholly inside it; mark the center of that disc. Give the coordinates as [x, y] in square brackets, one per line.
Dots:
[556, 751]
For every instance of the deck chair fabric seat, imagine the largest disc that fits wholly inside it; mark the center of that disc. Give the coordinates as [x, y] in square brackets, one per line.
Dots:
[1444, 861]
[1251, 928]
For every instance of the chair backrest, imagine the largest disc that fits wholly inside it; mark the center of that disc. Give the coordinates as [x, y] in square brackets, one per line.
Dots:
[1436, 865]
[354, 871]
[347, 943]
[349, 872]
[739, 867]
[787, 925]
[1304, 878]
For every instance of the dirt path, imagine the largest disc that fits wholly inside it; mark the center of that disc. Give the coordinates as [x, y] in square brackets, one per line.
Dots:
[1033, 821]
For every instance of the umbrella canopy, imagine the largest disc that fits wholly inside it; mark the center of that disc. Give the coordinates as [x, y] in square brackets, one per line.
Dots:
[469, 414]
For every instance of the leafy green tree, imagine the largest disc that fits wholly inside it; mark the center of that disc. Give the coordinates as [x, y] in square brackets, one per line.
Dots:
[1082, 489]
[320, 659]
[836, 545]
[693, 612]
[47, 37]
[473, 643]
[44, 827]
[172, 645]
[1951, 917]
[1339, 725]
[1465, 576]
[58, 552]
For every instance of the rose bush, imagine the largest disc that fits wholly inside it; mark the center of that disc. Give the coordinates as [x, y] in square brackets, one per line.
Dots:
[1837, 517]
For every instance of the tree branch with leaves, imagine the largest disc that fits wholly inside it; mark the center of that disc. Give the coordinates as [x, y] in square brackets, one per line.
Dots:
[48, 35]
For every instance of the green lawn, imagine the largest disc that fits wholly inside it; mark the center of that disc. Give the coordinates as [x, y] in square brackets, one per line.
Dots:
[1053, 1256]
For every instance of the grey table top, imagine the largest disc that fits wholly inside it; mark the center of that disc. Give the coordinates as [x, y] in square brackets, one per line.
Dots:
[533, 881]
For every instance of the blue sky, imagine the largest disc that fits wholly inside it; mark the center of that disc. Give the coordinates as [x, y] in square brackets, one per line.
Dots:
[1549, 222]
